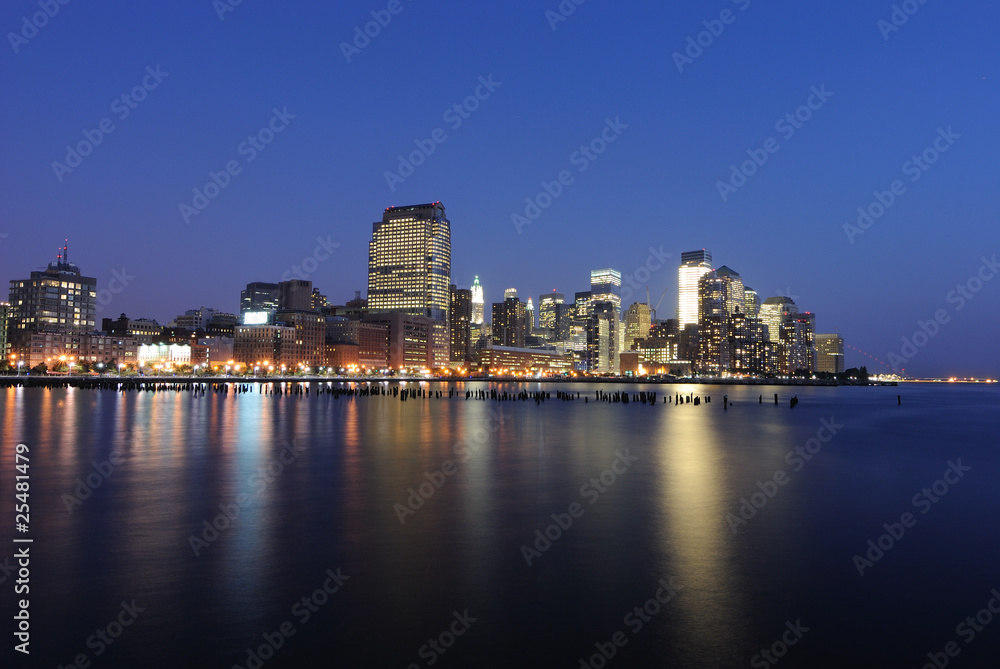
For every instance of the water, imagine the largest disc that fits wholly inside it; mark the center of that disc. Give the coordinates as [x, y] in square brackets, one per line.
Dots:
[315, 479]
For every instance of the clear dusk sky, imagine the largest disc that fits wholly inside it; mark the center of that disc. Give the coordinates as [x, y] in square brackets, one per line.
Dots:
[211, 75]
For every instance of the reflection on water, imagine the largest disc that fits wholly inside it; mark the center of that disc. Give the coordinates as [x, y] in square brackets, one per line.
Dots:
[227, 509]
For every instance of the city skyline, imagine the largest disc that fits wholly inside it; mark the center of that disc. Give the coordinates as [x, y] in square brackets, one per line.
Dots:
[847, 183]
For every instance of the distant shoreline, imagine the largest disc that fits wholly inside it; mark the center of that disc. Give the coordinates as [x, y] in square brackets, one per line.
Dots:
[87, 381]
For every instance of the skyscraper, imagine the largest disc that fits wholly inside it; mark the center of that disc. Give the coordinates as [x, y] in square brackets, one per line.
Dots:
[547, 309]
[734, 289]
[606, 286]
[603, 329]
[714, 323]
[751, 302]
[637, 324]
[509, 321]
[509, 293]
[460, 322]
[478, 303]
[829, 353]
[773, 312]
[409, 268]
[694, 265]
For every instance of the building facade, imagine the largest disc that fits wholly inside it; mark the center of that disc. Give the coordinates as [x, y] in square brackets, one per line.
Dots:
[460, 322]
[830, 353]
[58, 299]
[694, 265]
[409, 268]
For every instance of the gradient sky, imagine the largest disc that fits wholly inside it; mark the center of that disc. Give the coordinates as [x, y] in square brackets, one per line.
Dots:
[655, 185]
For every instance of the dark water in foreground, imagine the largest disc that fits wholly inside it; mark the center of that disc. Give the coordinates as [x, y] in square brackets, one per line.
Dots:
[315, 481]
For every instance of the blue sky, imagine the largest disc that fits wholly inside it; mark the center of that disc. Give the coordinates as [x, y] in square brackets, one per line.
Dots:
[677, 135]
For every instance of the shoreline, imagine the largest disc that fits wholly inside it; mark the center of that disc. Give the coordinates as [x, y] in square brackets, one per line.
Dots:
[88, 381]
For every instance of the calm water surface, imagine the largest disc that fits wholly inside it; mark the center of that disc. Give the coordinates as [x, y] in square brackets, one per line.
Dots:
[315, 484]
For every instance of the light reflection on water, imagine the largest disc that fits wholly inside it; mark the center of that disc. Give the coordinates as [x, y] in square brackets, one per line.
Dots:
[321, 478]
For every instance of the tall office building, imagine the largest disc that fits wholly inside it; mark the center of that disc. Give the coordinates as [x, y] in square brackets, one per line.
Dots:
[751, 302]
[829, 353]
[694, 265]
[606, 286]
[530, 315]
[409, 268]
[460, 322]
[547, 309]
[637, 324]
[509, 293]
[478, 303]
[797, 349]
[57, 299]
[509, 322]
[581, 305]
[735, 291]
[713, 324]
[259, 296]
[603, 338]
[773, 312]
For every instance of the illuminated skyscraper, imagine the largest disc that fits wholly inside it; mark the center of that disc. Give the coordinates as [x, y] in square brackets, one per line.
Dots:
[509, 322]
[606, 286]
[478, 303]
[547, 310]
[829, 353]
[751, 302]
[409, 268]
[773, 312]
[459, 319]
[637, 324]
[734, 289]
[694, 265]
[530, 315]
[509, 293]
